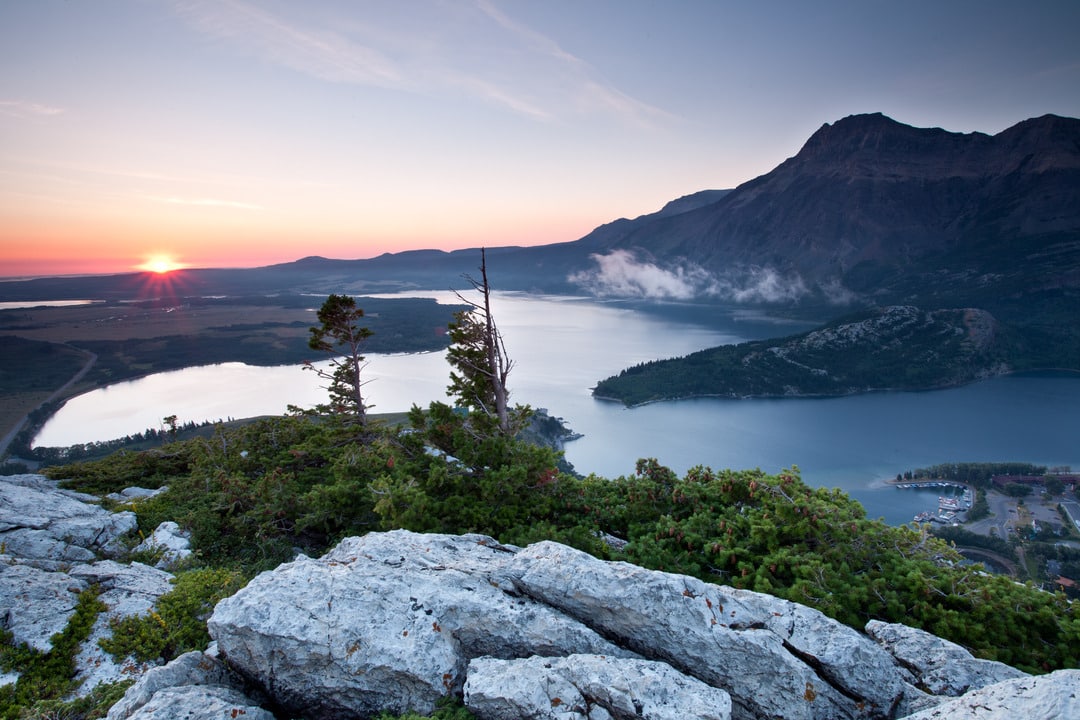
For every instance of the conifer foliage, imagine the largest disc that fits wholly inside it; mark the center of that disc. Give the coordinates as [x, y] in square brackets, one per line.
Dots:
[478, 358]
[341, 335]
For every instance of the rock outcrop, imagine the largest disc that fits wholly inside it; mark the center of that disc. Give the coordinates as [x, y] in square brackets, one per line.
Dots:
[938, 666]
[388, 622]
[1048, 697]
[195, 686]
[776, 658]
[393, 622]
[47, 527]
[588, 686]
[54, 545]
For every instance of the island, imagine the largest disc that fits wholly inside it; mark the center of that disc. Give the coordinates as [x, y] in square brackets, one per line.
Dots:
[899, 347]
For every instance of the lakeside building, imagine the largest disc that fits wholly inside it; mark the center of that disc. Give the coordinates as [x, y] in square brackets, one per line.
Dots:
[1000, 481]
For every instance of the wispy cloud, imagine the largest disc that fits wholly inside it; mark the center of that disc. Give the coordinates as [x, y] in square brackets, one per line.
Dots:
[23, 108]
[589, 92]
[322, 53]
[430, 48]
[210, 202]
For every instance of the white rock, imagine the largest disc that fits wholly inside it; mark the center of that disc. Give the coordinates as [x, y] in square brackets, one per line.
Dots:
[127, 590]
[939, 666]
[41, 548]
[190, 669]
[387, 622]
[52, 539]
[200, 702]
[174, 544]
[135, 493]
[588, 686]
[39, 522]
[36, 604]
[776, 659]
[1044, 697]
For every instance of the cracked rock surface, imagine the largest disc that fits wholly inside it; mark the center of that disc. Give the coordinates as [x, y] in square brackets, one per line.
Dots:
[391, 621]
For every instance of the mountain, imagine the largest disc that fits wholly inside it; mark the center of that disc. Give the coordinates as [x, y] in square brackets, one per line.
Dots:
[869, 211]
[870, 207]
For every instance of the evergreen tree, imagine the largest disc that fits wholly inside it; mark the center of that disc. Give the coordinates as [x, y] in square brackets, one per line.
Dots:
[478, 358]
[342, 335]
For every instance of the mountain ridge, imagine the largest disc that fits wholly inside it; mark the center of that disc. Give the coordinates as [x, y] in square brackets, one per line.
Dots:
[869, 191]
[868, 211]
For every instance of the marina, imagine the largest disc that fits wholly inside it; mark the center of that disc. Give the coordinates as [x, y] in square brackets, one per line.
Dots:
[950, 507]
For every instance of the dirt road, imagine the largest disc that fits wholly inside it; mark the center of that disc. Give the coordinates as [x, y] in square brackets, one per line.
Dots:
[91, 358]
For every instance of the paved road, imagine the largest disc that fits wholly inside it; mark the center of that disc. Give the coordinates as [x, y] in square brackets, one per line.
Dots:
[91, 358]
[1002, 516]
[1072, 507]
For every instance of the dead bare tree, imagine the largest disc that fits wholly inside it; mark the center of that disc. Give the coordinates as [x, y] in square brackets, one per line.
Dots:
[478, 357]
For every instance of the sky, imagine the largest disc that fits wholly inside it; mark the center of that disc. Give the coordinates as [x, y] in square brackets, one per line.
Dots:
[240, 133]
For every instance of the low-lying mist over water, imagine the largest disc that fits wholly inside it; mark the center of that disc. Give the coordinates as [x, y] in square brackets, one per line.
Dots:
[620, 274]
[562, 346]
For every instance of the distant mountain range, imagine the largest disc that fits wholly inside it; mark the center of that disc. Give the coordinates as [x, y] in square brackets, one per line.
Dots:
[870, 211]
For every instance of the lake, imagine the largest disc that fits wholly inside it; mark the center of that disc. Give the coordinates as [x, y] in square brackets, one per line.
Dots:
[562, 346]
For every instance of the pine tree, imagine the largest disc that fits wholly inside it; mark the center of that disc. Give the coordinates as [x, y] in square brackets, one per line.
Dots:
[341, 335]
[478, 358]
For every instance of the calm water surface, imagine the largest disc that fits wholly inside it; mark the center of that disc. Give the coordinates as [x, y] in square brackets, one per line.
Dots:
[562, 346]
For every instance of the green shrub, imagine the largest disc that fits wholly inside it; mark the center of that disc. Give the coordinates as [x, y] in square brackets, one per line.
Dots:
[178, 624]
[447, 709]
[47, 676]
[93, 706]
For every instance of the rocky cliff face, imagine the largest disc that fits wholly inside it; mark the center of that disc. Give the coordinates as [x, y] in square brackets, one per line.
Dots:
[869, 204]
[395, 621]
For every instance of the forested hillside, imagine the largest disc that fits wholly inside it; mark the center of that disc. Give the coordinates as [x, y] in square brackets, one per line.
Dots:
[894, 348]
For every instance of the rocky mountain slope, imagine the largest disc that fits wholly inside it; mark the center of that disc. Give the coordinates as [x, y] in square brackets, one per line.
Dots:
[872, 206]
[397, 621]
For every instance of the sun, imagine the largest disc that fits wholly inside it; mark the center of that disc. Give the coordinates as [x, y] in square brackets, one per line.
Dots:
[160, 264]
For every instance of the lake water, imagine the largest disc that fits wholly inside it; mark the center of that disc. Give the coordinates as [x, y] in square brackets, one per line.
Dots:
[562, 346]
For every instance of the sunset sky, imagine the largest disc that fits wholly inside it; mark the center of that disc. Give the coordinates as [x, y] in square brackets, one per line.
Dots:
[249, 132]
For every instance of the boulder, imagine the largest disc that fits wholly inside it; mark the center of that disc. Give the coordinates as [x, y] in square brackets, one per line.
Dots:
[134, 494]
[1044, 697]
[45, 526]
[194, 673]
[387, 622]
[938, 666]
[588, 686]
[776, 658]
[207, 702]
[173, 543]
[36, 604]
